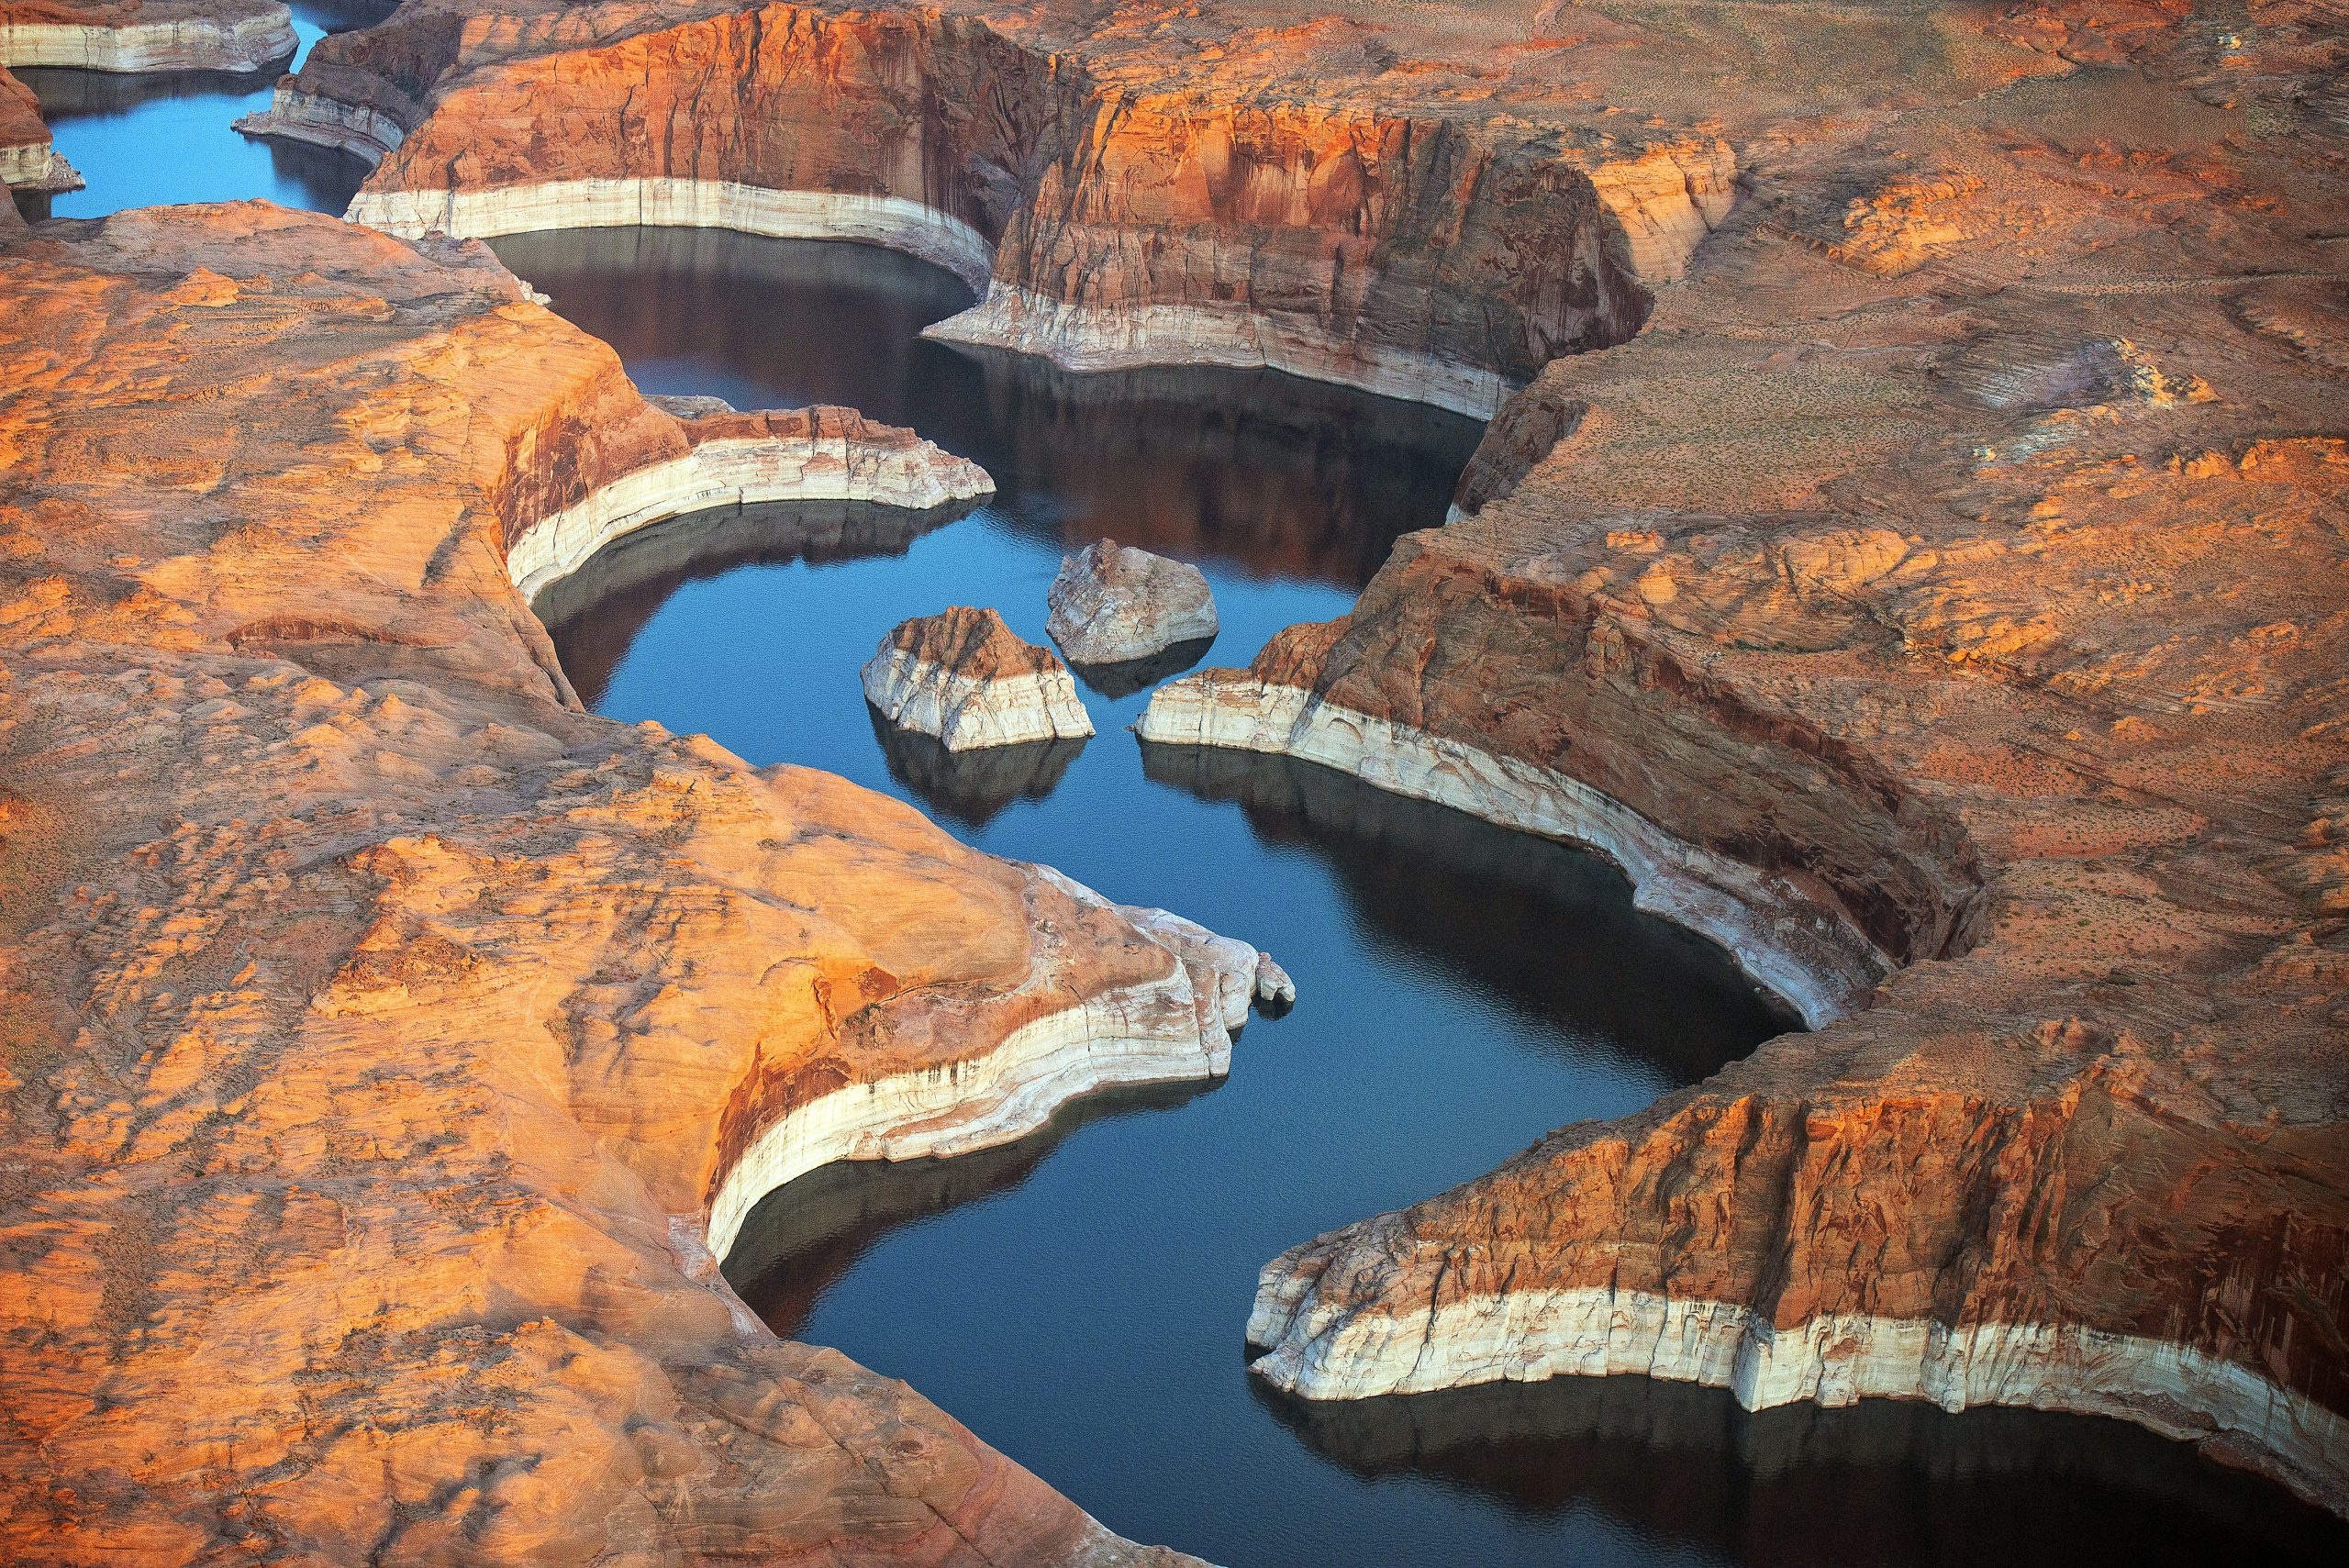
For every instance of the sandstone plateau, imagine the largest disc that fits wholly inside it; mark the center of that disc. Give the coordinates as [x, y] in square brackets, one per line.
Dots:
[389, 1044]
[963, 676]
[1911, 538]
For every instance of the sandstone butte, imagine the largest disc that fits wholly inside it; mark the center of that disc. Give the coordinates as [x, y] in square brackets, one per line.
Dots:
[1912, 536]
[964, 677]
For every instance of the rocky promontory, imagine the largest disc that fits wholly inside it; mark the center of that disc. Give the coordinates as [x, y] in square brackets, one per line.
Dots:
[390, 1046]
[146, 35]
[963, 676]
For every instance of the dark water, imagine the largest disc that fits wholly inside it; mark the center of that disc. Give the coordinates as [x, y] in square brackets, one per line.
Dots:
[1078, 1298]
[163, 137]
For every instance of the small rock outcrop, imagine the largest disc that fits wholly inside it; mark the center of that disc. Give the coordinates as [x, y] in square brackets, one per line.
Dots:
[1112, 604]
[965, 677]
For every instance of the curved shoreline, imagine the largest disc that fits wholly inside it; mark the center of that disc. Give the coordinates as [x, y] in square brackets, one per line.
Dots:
[180, 43]
[1832, 1360]
[1079, 339]
[891, 222]
[835, 461]
[1124, 1039]
[1815, 962]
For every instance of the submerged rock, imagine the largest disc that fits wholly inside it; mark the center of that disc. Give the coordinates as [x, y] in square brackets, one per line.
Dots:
[963, 676]
[1112, 604]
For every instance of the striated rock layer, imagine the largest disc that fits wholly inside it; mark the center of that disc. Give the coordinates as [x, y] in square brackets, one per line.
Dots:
[963, 676]
[1950, 576]
[29, 157]
[1131, 184]
[146, 35]
[387, 1043]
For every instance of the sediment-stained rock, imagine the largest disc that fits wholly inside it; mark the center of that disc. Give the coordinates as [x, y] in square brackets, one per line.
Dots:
[1112, 604]
[744, 459]
[1131, 185]
[146, 35]
[963, 676]
[1977, 584]
[386, 1042]
[29, 157]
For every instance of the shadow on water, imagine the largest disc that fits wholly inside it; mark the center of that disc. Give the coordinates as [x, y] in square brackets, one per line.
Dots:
[972, 787]
[801, 1238]
[593, 615]
[1883, 1481]
[1496, 908]
[1264, 473]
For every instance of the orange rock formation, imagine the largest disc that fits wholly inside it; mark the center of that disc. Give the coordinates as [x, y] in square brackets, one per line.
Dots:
[1938, 570]
[379, 1029]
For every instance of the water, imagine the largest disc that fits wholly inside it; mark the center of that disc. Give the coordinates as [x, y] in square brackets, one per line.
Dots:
[1077, 1297]
[164, 137]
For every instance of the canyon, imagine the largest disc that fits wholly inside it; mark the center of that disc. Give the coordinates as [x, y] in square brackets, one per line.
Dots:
[1909, 541]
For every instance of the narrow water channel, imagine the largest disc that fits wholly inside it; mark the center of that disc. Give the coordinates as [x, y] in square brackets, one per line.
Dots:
[1077, 1298]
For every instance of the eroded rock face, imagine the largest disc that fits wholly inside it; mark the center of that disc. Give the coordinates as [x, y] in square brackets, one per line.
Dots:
[1945, 563]
[29, 157]
[1130, 185]
[963, 676]
[1113, 603]
[146, 35]
[384, 1035]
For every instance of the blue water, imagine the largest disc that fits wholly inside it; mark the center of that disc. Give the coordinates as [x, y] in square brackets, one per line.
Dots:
[152, 139]
[1078, 1298]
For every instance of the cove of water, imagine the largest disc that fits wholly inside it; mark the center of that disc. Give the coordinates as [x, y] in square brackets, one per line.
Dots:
[155, 138]
[1077, 1297]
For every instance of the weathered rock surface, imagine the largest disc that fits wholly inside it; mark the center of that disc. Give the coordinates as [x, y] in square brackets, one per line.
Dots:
[964, 677]
[29, 157]
[1957, 560]
[1131, 184]
[387, 1043]
[146, 35]
[1112, 604]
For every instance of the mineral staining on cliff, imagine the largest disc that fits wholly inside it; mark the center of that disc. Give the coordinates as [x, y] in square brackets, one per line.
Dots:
[384, 1035]
[1131, 186]
[29, 160]
[1112, 604]
[146, 35]
[964, 677]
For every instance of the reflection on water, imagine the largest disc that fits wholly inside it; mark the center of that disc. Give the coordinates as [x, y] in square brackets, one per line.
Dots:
[1078, 1299]
[155, 138]
[1881, 1482]
[970, 788]
[1268, 474]
[594, 614]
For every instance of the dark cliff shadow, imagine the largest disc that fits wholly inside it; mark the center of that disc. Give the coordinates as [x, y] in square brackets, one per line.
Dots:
[1272, 475]
[1127, 676]
[970, 788]
[804, 1236]
[1882, 1481]
[1546, 927]
[593, 615]
[1275, 475]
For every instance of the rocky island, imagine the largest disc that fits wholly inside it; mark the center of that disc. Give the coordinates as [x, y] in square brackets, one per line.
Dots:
[1909, 541]
[962, 676]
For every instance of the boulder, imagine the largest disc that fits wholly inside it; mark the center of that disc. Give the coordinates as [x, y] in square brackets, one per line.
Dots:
[1112, 603]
